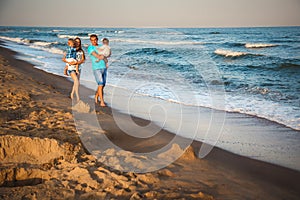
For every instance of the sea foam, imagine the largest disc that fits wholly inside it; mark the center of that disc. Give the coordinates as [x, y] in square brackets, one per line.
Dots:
[228, 53]
[72, 36]
[259, 45]
[18, 40]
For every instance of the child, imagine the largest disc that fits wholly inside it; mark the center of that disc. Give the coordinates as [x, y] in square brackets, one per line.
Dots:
[104, 50]
[70, 58]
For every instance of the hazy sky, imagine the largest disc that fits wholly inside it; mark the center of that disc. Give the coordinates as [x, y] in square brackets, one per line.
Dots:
[150, 13]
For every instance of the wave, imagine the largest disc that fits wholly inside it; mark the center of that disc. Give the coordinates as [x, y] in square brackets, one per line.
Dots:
[48, 49]
[37, 44]
[233, 44]
[259, 45]
[112, 31]
[61, 36]
[228, 53]
[18, 40]
[45, 47]
[5, 30]
[283, 41]
[66, 36]
[284, 115]
[289, 66]
[82, 34]
[56, 30]
[28, 41]
[215, 32]
[237, 103]
[157, 42]
[42, 43]
[147, 51]
[54, 50]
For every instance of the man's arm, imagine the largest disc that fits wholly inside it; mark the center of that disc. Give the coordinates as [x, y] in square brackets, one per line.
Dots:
[100, 57]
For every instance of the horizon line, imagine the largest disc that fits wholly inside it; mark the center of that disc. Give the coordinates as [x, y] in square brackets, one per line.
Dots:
[136, 27]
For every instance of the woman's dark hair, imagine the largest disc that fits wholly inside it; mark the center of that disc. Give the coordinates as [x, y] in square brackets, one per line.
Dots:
[80, 48]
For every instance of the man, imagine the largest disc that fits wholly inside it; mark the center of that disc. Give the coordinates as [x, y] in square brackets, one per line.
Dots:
[99, 68]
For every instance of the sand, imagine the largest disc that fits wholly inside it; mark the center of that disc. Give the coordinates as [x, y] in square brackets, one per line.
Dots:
[43, 157]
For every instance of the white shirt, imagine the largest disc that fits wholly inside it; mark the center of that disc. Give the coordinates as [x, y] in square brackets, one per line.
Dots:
[104, 50]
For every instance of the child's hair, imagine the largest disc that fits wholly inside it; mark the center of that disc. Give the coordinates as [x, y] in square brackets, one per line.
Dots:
[105, 39]
[72, 40]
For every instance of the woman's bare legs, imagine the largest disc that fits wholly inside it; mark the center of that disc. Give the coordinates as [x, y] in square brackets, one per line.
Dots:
[75, 86]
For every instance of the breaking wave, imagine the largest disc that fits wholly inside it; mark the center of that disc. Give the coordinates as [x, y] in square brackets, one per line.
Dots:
[259, 45]
[228, 53]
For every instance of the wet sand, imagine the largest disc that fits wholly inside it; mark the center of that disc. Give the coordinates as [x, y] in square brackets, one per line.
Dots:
[43, 157]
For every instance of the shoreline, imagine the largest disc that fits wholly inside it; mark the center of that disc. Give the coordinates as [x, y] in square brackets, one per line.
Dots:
[257, 172]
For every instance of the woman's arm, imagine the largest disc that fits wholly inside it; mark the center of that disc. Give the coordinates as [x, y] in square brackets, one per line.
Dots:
[65, 60]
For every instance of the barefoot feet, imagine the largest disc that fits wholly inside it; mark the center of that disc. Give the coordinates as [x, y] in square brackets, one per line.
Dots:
[102, 104]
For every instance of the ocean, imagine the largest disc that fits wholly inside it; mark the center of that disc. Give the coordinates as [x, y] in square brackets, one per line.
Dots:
[252, 71]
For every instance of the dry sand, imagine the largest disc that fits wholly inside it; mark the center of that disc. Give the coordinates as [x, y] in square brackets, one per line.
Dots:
[42, 157]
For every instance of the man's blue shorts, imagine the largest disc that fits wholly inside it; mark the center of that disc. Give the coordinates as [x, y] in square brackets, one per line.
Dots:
[100, 76]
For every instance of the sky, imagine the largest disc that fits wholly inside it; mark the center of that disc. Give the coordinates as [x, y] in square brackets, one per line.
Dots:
[150, 13]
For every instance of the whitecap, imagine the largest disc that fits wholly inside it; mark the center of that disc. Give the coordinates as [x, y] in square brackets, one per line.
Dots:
[259, 45]
[72, 36]
[50, 50]
[228, 53]
[55, 50]
[66, 36]
[55, 30]
[18, 40]
[42, 43]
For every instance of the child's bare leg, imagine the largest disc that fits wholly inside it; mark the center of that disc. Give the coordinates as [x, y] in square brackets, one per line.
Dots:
[77, 69]
[66, 70]
[106, 62]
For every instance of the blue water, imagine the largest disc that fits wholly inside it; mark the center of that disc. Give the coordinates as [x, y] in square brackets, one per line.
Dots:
[258, 69]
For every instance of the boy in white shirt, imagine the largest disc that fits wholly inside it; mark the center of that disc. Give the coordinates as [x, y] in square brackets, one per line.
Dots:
[104, 50]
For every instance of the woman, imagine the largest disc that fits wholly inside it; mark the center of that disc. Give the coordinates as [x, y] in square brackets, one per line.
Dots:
[80, 58]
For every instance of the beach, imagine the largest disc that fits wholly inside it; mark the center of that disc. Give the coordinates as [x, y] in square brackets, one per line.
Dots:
[43, 156]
